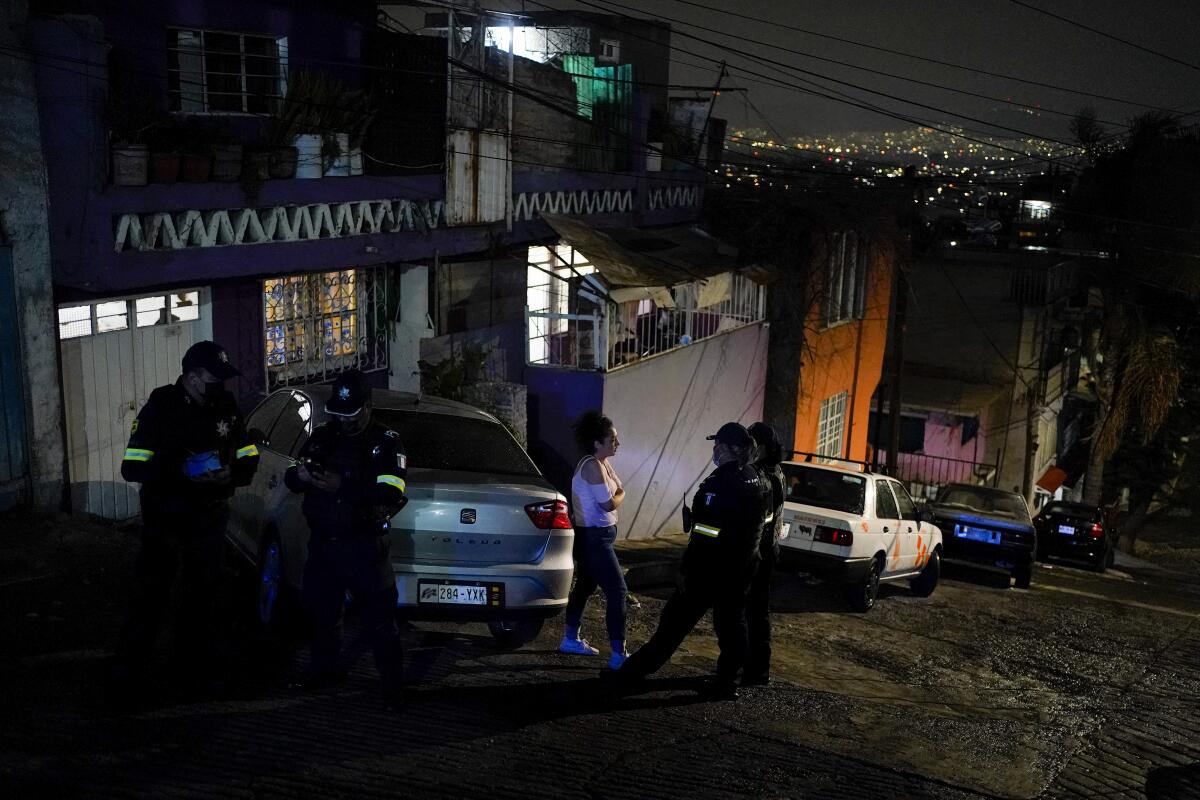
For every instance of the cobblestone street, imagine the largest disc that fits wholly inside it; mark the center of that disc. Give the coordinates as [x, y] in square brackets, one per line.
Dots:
[1085, 685]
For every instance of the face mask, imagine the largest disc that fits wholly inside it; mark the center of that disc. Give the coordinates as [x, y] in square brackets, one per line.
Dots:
[716, 459]
[210, 391]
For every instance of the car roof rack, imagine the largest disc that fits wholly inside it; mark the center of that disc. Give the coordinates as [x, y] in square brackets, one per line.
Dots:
[864, 466]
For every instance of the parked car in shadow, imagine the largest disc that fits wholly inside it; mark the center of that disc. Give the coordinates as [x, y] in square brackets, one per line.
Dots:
[1076, 532]
[985, 526]
[484, 536]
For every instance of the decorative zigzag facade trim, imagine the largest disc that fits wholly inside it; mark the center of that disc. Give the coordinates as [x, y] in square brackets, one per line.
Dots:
[673, 197]
[244, 226]
[528, 205]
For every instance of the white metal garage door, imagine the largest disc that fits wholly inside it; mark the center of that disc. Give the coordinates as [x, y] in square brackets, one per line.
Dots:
[114, 353]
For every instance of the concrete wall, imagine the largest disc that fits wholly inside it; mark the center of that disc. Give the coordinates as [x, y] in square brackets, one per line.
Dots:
[665, 406]
[24, 222]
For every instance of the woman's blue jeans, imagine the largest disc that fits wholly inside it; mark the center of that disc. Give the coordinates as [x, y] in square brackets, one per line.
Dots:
[596, 565]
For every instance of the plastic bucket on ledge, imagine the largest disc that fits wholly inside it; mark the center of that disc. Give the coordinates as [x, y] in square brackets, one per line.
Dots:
[308, 155]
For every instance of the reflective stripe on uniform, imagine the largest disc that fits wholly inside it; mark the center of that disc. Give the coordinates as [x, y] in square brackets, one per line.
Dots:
[248, 450]
[136, 454]
[391, 480]
[705, 530]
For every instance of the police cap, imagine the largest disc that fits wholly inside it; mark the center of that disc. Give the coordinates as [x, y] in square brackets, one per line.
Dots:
[212, 357]
[733, 434]
[350, 393]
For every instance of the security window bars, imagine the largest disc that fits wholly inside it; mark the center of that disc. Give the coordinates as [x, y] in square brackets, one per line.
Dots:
[846, 283]
[214, 72]
[562, 325]
[831, 425]
[320, 324]
[114, 315]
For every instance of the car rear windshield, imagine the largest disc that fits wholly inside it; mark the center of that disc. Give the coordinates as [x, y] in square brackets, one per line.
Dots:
[987, 500]
[1071, 510]
[461, 444]
[825, 488]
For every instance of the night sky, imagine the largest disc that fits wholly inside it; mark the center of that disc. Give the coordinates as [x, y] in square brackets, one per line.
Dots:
[995, 35]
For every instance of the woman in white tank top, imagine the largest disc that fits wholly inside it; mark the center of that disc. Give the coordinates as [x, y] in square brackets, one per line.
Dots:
[596, 494]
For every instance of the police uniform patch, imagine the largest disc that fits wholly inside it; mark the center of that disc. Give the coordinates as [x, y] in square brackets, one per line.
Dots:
[375, 451]
[708, 497]
[133, 428]
[401, 461]
[223, 428]
[344, 393]
[392, 434]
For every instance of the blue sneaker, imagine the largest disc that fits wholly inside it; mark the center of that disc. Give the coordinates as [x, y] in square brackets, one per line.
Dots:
[576, 647]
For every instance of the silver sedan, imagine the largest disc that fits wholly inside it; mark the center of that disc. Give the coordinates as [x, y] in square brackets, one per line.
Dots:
[484, 536]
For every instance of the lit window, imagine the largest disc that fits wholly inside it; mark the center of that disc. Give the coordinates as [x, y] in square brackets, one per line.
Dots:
[74, 321]
[209, 71]
[112, 316]
[831, 425]
[185, 306]
[150, 310]
[324, 323]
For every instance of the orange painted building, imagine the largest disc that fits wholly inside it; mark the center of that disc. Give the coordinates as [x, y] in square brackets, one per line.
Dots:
[845, 337]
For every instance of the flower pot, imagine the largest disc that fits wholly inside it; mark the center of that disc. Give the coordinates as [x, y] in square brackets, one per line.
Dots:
[283, 162]
[308, 155]
[257, 166]
[338, 164]
[197, 167]
[164, 167]
[130, 165]
[227, 162]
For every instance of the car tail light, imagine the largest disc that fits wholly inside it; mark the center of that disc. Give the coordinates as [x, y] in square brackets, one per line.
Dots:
[832, 536]
[551, 515]
[1097, 531]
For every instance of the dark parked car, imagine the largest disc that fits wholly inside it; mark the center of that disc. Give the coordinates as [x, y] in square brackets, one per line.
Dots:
[986, 526]
[1076, 531]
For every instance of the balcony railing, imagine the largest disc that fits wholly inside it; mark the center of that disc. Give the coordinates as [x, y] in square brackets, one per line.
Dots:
[614, 335]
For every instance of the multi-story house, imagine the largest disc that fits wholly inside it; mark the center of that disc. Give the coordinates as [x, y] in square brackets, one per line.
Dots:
[283, 177]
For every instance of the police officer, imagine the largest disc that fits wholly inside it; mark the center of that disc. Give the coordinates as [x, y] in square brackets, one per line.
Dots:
[768, 455]
[188, 449]
[351, 472]
[725, 523]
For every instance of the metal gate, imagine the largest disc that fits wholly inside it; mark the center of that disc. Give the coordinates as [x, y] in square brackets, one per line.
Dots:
[13, 455]
[114, 354]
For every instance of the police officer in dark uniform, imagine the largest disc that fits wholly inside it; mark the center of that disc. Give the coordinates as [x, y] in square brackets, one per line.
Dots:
[188, 449]
[725, 523]
[768, 455]
[351, 472]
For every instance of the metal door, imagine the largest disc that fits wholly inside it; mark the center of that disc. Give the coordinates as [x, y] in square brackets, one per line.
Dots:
[114, 354]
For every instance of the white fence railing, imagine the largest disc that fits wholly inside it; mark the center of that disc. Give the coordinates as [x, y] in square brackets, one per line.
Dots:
[613, 335]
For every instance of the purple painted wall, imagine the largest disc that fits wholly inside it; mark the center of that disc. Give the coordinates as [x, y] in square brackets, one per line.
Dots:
[556, 399]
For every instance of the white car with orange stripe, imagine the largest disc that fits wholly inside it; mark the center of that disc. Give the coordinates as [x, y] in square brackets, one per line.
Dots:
[858, 526]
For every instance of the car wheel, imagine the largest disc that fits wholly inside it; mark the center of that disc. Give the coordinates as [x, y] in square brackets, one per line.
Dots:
[924, 584]
[862, 594]
[269, 588]
[515, 632]
[1023, 576]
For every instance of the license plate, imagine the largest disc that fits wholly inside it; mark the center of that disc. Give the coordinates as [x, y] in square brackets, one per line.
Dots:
[977, 534]
[460, 593]
[1067, 529]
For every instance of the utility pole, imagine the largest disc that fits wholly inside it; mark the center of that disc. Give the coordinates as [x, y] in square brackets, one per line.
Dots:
[1033, 390]
[899, 324]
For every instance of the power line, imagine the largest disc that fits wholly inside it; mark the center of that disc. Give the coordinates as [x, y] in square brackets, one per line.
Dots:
[927, 59]
[1106, 35]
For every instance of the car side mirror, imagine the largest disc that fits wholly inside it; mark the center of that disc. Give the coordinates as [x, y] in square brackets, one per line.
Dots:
[258, 437]
[924, 514]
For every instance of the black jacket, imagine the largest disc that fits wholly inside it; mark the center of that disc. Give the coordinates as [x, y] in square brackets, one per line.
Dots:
[373, 467]
[170, 428]
[773, 518]
[727, 521]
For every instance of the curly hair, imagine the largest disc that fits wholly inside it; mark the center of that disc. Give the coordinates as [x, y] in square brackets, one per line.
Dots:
[591, 427]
